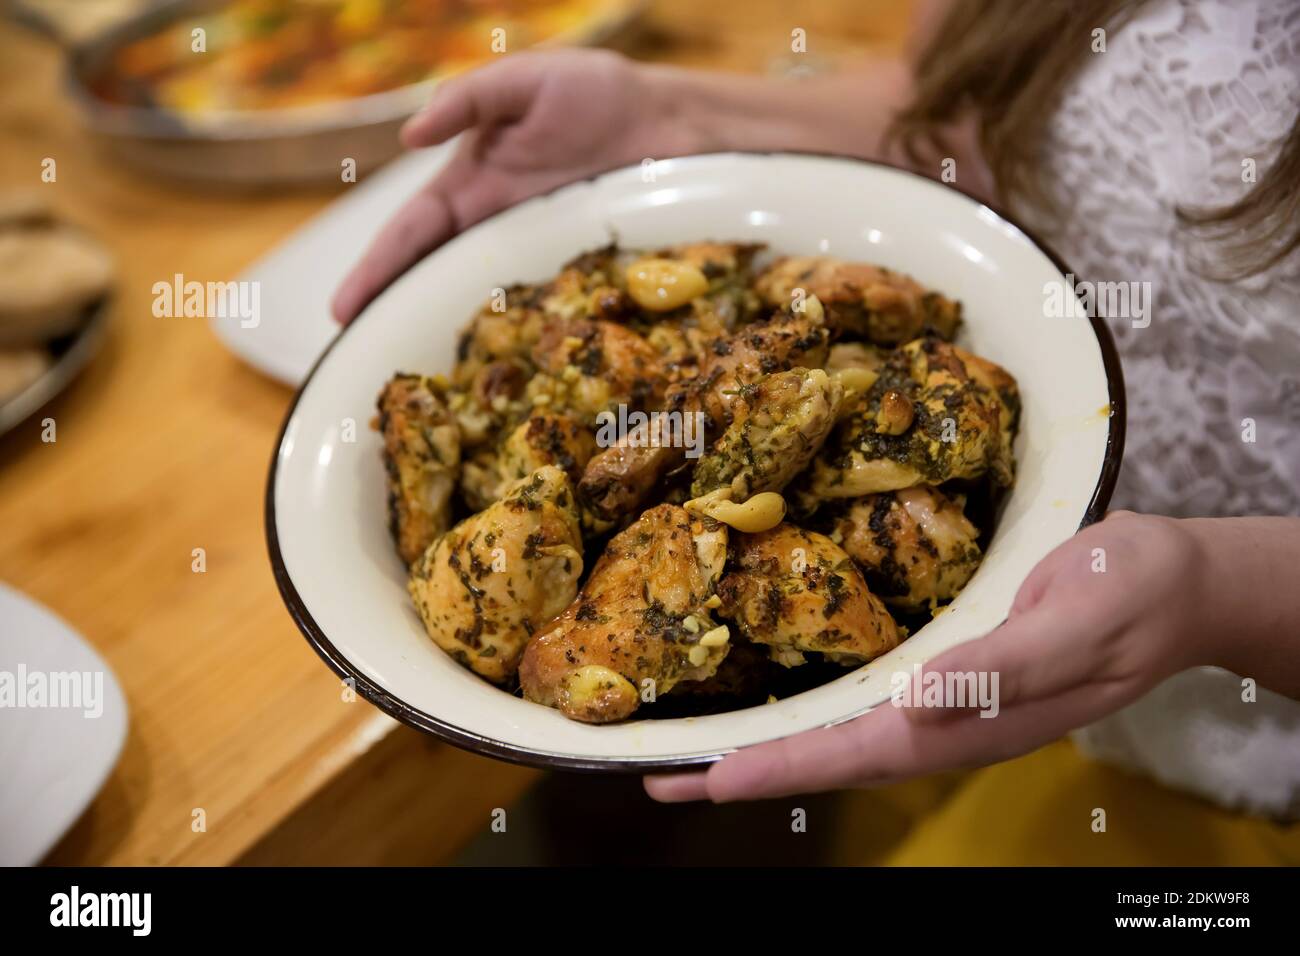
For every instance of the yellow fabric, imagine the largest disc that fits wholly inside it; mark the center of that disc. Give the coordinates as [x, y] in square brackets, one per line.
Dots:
[1038, 810]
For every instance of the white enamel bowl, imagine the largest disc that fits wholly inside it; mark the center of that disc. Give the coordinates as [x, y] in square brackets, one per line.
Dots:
[325, 509]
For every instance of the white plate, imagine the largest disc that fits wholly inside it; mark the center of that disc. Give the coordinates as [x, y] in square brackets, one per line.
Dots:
[298, 278]
[326, 523]
[55, 759]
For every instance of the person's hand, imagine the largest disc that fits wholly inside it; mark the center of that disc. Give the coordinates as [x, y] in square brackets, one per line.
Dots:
[1100, 620]
[532, 121]
[535, 121]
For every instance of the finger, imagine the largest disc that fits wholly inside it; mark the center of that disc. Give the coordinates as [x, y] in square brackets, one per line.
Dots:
[419, 227]
[883, 747]
[499, 92]
[677, 787]
[429, 218]
[823, 759]
[1032, 656]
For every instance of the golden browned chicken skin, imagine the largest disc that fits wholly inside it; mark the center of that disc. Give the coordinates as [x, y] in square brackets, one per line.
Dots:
[915, 546]
[796, 591]
[817, 388]
[504, 330]
[497, 351]
[777, 424]
[618, 479]
[885, 307]
[491, 582]
[929, 418]
[641, 624]
[588, 367]
[421, 459]
[541, 439]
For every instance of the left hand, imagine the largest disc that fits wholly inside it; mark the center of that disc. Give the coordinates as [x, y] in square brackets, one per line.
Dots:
[1078, 643]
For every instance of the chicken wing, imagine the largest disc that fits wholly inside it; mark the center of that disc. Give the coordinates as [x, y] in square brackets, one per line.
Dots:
[541, 439]
[688, 286]
[513, 320]
[491, 582]
[777, 424]
[796, 591]
[727, 302]
[505, 329]
[421, 458]
[929, 417]
[641, 624]
[882, 306]
[915, 546]
[588, 367]
[617, 480]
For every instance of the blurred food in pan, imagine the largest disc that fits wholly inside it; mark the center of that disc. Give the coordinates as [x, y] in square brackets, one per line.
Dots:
[52, 278]
[256, 92]
[282, 54]
[49, 273]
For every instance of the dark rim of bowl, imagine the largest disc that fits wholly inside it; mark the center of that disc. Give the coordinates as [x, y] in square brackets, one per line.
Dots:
[475, 743]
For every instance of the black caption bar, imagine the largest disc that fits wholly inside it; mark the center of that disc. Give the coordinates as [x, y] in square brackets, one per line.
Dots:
[347, 905]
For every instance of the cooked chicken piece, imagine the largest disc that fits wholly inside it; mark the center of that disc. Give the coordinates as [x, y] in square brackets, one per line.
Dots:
[505, 329]
[513, 319]
[683, 337]
[547, 439]
[480, 478]
[995, 377]
[796, 591]
[494, 399]
[491, 582]
[727, 300]
[786, 340]
[915, 546]
[692, 280]
[422, 460]
[777, 424]
[495, 355]
[884, 307]
[929, 418]
[641, 624]
[541, 439]
[588, 367]
[618, 479]
[589, 286]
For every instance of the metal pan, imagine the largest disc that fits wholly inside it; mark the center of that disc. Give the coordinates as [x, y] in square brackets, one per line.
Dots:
[72, 352]
[271, 147]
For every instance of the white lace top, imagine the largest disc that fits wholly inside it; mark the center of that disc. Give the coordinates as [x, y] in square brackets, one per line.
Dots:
[1165, 117]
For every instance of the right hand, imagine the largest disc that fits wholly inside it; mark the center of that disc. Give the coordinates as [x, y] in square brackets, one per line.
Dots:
[532, 122]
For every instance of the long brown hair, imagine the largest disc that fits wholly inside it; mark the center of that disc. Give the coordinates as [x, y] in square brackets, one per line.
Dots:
[1007, 63]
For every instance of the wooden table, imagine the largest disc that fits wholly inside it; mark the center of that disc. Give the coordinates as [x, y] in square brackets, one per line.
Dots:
[162, 447]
